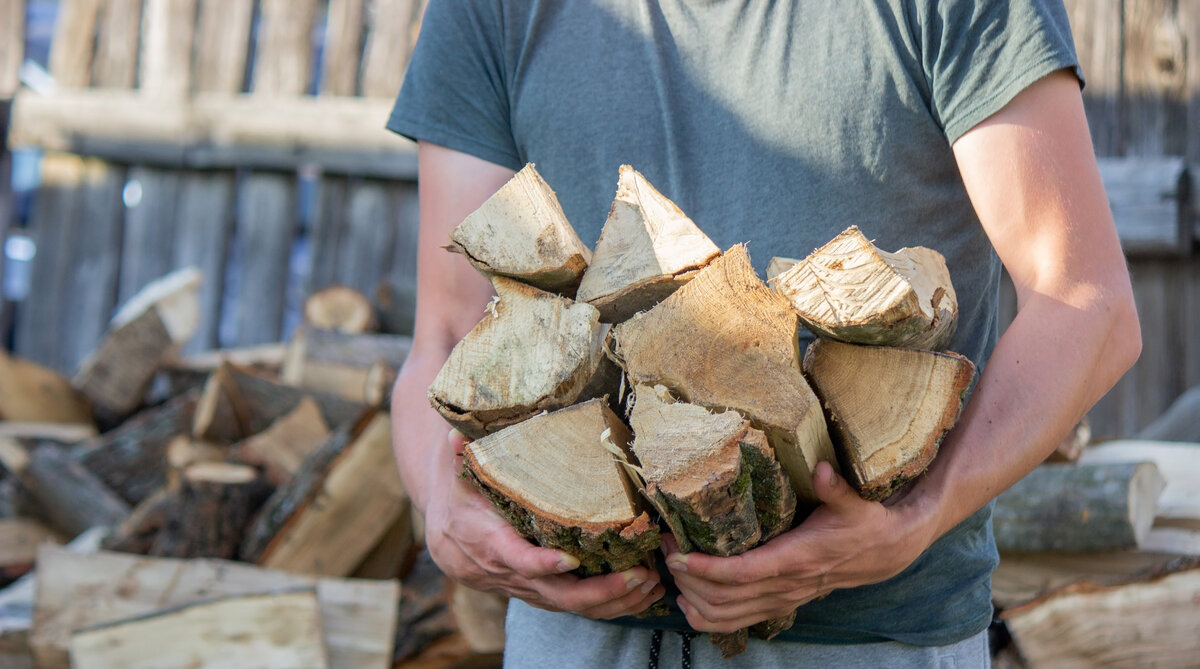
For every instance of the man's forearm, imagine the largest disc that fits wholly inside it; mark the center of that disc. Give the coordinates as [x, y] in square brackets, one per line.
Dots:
[419, 433]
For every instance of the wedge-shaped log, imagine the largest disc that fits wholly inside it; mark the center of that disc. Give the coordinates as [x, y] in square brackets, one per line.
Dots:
[1078, 508]
[32, 393]
[556, 482]
[209, 511]
[241, 632]
[521, 232]
[72, 498]
[890, 408]
[715, 480]
[533, 351]
[851, 291]
[647, 250]
[726, 341]
[155, 323]
[282, 448]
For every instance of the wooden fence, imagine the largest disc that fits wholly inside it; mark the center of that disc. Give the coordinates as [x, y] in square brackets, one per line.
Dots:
[191, 132]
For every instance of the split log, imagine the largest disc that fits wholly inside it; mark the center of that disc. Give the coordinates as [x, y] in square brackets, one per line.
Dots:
[136, 534]
[341, 309]
[480, 617]
[240, 632]
[1022, 578]
[209, 511]
[280, 449]
[424, 614]
[1180, 422]
[554, 481]
[73, 498]
[726, 341]
[394, 553]
[154, 324]
[32, 393]
[237, 403]
[63, 433]
[890, 408]
[355, 367]
[521, 232]
[1179, 465]
[132, 459]
[1147, 621]
[532, 352]
[77, 591]
[778, 265]
[185, 451]
[263, 358]
[647, 250]
[851, 291]
[1078, 508]
[19, 539]
[1072, 445]
[341, 501]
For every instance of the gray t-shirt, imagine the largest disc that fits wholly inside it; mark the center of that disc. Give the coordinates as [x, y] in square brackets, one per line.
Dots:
[778, 124]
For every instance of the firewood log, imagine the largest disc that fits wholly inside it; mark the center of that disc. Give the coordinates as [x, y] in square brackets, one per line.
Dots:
[73, 498]
[344, 364]
[532, 352]
[522, 233]
[890, 408]
[554, 481]
[726, 341]
[1072, 445]
[35, 394]
[209, 511]
[647, 250]
[851, 291]
[137, 532]
[339, 308]
[280, 449]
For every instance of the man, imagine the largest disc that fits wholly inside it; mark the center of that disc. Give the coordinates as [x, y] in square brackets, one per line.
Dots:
[950, 124]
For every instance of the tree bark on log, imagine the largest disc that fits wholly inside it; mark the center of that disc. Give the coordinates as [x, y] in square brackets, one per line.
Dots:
[209, 511]
[1078, 508]
[73, 498]
[281, 449]
[136, 534]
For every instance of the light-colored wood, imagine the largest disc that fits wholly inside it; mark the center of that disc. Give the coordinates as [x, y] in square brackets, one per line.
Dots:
[778, 265]
[137, 532]
[889, 408]
[117, 44]
[360, 498]
[726, 341]
[1096, 25]
[852, 291]
[77, 591]
[1150, 621]
[154, 323]
[240, 632]
[533, 351]
[283, 60]
[222, 43]
[184, 451]
[281, 448]
[480, 617]
[74, 40]
[63, 433]
[166, 58]
[32, 393]
[1078, 508]
[1179, 465]
[360, 368]
[1154, 76]
[388, 47]
[207, 119]
[339, 308]
[1072, 445]
[19, 539]
[555, 480]
[262, 356]
[521, 232]
[394, 553]
[343, 47]
[647, 250]
[1021, 578]
[12, 45]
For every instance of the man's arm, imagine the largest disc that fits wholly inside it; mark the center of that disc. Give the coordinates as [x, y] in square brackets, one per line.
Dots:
[1032, 178]
[465, 535]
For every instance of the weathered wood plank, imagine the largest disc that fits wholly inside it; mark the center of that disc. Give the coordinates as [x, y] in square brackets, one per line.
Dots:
[1149, 199]
[1096, 25]
[266, 223]
[222, 44]
[116, 63]
[283, 60]
[1155, 81]
[203, 225]
[12, 45]
[397, 297]
[343, 47]
[149, 239]
[365, 253]
[327, 232]
[166, 62]
[389, 46]
[73, 46]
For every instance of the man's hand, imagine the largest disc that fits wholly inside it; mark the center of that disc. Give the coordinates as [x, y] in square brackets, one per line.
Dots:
[846, 542]
[472, 544]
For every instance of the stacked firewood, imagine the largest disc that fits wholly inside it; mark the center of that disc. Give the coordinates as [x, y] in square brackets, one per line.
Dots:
[241, 504]
[659, 380]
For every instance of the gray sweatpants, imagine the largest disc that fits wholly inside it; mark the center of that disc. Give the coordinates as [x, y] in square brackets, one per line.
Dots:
[539, 639]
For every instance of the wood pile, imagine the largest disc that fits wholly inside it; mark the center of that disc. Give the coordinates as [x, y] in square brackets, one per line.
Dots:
[245, 504]
[657, 384]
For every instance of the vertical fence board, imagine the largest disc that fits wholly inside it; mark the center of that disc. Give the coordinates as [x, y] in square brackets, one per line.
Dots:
[389, 45]
[12, 45]
[366, 252]
[266, 221]
[1155, 376]
[74, 42]
[1189, 305]
[149, 229]
[91, 286]
[1189, 18]
[1155, 80]
[203, 226]
[327, 232]
[1096, 25]
[283, 63]
[343, 47]
[116, 63]
[222, 42]
[399, 287]
[166, 65]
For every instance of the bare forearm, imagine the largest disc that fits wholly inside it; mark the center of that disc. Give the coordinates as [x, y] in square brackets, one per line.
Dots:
[422, 451]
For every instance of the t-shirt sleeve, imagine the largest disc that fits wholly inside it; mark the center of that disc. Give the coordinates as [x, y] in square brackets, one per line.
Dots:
[455, 93]
[979, 55]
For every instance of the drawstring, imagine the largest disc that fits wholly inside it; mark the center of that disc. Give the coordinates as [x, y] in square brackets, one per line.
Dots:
[686, 649]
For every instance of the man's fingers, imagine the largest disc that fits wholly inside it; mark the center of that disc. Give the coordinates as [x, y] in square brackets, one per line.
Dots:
[702, 624]
[833, 490]
[589, 593]
[637, 600]
[531, 561]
